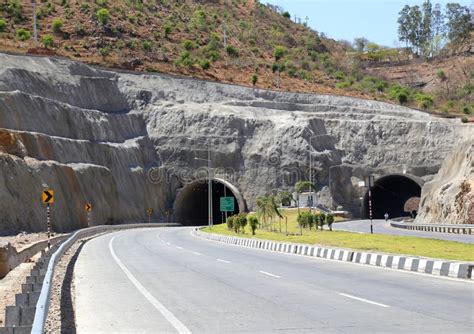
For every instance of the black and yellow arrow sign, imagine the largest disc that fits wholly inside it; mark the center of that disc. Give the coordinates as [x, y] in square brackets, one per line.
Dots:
[88, 207]
[149, 211]
[47, 196]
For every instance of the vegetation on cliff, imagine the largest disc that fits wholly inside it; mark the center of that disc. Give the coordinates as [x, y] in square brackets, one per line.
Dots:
[238, 41]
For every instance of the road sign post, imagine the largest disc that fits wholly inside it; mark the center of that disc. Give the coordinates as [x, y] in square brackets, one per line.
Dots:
[88, 209]
[370, 182]
[149, 212]
[47, 197]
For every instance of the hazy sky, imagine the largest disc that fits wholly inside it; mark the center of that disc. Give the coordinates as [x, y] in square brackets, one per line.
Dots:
[347, 19]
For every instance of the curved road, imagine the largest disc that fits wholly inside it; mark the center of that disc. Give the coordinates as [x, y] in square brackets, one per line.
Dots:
[383, 227]
[165, 280]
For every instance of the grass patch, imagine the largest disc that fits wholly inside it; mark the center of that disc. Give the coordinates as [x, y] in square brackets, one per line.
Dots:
[432, 248]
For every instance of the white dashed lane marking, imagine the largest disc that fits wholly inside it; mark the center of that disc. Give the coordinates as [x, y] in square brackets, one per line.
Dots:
[363, 300]
[269, 274]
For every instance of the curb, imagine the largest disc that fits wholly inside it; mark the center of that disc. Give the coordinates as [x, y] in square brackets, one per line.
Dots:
[435, 267]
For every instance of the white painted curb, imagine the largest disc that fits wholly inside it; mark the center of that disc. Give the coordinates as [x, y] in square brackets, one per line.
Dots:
[398, 262]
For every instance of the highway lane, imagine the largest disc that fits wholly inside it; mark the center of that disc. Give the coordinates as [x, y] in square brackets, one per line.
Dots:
[165, 280]
[383, 227]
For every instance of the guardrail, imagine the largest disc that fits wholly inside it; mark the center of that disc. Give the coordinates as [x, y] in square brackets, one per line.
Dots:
[42, 306]
[441, 228]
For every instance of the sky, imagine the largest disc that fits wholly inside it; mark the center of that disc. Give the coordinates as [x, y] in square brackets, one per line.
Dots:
[375, 20]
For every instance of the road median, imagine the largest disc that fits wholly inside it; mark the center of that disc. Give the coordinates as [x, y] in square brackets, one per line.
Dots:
[437, 267]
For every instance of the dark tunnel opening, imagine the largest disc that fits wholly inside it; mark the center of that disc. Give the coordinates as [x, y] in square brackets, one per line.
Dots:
[390, 194]
[192, 205]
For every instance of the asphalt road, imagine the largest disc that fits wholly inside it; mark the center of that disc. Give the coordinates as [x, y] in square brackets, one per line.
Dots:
[383, 227]
[166, 280]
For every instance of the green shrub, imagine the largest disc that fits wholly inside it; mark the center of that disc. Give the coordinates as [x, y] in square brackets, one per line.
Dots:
[102, 3]
[441, 75]
[48, 41]
[279, 52]
[343, 85]
[189, 45]
[132, 45]
[104, 51]
[84, 8]
[167, 30]
[14, 9]
[23, 34]
[213, 56]
[339, 75]
[329, 220]
[287, 15]
[3, 25]
[232, 51]
[464, 119]
[103, 16]
[185, 59]
[57, 25]
[254, 79]
[466, 110]
[147, 46]
[322, 220]
[425, 101]
[253, 222]
[399, 93]
[402, 98]
[240, 221]
[198, 20]
[205, 64]
[230, 223]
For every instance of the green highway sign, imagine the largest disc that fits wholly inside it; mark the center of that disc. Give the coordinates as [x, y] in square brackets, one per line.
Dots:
[227, 204]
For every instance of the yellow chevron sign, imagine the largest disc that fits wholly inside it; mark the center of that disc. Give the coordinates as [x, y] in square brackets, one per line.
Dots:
[88, 207]
[47, 196]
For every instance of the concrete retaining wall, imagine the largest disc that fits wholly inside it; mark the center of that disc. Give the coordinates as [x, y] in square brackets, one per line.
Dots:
[458, 229]
[11, 258]
[398, 262]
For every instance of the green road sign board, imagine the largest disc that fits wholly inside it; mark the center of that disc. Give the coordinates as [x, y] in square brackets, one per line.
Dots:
[227, 204]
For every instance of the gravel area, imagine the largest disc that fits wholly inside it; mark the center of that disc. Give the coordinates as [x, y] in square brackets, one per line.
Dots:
[24, 239]
[61, 317]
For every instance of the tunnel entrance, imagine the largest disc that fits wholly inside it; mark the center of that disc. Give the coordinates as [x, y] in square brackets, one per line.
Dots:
[191, 205]
[389, 194]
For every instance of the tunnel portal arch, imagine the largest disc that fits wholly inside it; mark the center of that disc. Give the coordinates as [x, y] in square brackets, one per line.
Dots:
[191, 204]
[390, 193]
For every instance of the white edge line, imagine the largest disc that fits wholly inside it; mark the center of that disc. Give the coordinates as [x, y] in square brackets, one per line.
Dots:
[197, 253]
[179, 247]
[269, 274]
[178, 325]
[225, 261]
[363, 300]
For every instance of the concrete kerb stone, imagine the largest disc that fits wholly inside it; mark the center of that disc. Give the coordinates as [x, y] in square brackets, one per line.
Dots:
[392, 261]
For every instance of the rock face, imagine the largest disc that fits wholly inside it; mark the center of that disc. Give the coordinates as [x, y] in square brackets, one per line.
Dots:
[127, 142]
[449, 197]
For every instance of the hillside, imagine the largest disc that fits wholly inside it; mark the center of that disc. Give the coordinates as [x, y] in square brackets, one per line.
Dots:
[239, 41]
